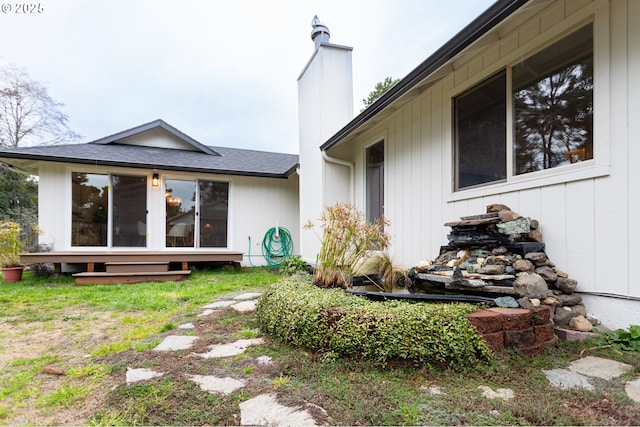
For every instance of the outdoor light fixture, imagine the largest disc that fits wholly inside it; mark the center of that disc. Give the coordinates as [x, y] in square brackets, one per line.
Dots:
[155, 180]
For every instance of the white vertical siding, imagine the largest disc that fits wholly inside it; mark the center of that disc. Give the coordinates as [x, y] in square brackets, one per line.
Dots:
[590, 222]
[633, 145]
[255, 205]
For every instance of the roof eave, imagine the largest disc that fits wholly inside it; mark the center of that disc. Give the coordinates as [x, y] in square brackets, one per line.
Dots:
[480, 26]
[148, 166]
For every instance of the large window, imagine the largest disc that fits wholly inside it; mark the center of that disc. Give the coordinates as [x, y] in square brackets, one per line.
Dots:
[95, 210]
[553, 105]
[551, 108]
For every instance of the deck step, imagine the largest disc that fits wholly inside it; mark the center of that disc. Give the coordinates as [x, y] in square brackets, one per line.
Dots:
[136, 267]
[109, 278]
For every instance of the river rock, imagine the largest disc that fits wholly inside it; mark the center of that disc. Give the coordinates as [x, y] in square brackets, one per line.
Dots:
[506, 302]
[508, 215]
[579, 310]
[497, 260]
[525, 302]
[539, 259]
[562, 316]
[535, 235]
[500, 250]
[561, 273]
[569, 299]
[530, 285]
[523, 265]
[491, 269]
[552, 300]
[547, 273]
[497, 207]
[518, 226]
[566, 285]
[580, 323]
[534, 224]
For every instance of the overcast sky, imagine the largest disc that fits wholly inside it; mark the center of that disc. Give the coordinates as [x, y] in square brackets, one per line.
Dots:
[223, 72]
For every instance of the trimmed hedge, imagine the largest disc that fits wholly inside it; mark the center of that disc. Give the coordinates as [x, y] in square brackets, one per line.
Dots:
[337, 324]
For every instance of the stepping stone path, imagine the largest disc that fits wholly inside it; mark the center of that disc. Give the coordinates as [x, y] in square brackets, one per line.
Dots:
[265, 410]
[142, 374]
[260, 410]
[579, 373]
[176, 342]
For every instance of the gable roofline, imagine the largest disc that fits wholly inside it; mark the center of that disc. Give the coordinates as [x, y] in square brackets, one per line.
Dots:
[480, 26]
[159, 123]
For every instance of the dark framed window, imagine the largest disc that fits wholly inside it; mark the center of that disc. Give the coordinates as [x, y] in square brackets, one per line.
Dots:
[481, 133]
[553, 105]
[375, 181]
[551, 110]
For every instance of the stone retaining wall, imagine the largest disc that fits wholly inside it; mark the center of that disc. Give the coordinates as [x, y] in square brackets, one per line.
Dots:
[527, 331]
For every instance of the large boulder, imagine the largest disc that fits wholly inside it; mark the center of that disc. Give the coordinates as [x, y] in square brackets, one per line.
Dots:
[530, 285]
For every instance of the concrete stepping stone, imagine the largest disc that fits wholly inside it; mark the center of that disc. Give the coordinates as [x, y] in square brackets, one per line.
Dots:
[245, 306]
[501, 393]
[264, 410]
[207, 312]
[565, 379]
[632, 388]
[598, 367]
[213, 384]
[264, 360]
[433, 390]
[248, 295]
[187, 326]
[219, 304]
[176, 342]
[135, 375]
[231, 349]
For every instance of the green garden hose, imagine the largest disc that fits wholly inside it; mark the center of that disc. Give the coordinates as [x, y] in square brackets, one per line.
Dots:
[276, 246]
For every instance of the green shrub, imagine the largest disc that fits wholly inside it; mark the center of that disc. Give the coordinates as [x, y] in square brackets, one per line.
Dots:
[333, 322]
[620, 339]
[292, 265]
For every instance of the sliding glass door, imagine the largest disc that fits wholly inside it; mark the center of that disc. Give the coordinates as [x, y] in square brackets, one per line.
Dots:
[196, 213]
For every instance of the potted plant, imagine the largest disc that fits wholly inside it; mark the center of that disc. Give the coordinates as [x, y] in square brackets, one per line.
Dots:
[10, 248]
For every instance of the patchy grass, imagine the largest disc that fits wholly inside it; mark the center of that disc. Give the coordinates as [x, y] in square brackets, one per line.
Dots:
[100, 331]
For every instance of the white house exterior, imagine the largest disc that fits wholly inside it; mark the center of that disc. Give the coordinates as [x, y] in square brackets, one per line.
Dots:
[453, 136]
[587, 209]
[157, 190]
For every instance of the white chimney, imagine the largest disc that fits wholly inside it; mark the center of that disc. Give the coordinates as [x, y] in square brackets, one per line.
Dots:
[325, 105]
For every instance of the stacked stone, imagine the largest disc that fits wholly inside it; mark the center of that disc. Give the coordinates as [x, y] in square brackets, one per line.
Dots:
[501, 252]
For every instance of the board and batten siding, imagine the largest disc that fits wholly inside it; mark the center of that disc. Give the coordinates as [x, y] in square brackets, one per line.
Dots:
[589, 214]
[255, 205]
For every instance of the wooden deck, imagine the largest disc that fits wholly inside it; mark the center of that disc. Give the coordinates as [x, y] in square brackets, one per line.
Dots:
[114, 267]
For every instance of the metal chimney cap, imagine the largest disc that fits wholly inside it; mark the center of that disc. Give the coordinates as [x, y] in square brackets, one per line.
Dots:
[319, 29]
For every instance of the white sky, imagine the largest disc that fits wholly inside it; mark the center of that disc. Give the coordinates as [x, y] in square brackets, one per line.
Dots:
[223, 72]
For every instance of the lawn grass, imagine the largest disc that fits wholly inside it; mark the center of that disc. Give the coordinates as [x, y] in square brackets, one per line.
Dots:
[132, 319]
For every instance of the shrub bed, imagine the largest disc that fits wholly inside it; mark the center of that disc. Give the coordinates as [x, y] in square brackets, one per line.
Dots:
[337, 324]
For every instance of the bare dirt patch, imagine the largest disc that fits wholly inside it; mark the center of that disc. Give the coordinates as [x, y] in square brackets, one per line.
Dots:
[48, 350]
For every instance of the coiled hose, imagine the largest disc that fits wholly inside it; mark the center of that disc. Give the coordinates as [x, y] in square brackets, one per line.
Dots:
[276, 246]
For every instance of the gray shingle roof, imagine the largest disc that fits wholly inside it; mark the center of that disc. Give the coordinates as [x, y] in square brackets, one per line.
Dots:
[218, 160]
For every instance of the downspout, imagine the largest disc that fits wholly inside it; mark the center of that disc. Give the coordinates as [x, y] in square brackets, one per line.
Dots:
[352, 172]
